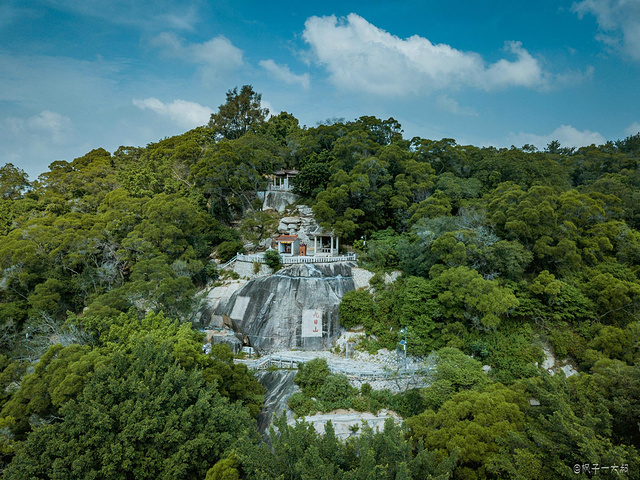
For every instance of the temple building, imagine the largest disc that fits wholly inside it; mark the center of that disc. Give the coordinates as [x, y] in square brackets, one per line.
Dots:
[288, 245]
[283, 180]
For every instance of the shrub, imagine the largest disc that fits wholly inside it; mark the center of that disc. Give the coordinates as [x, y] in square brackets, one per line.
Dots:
[312, 375]
[301, 404]
[226, 250]
[336, 392]
[273, 260]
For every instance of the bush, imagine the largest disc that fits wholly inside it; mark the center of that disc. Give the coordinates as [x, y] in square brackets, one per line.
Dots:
[312, 375]
[273, 260]
[357, 307]
[227, 250]
[336, 392]
[302, 405]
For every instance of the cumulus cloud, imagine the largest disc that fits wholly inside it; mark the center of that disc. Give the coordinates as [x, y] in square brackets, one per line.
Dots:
[48, 125]
[218, 53]
[451, 105]
[183, 113]
[619, 22]
[567, 135]
[632, 129]
[361, 56]
[283, 73]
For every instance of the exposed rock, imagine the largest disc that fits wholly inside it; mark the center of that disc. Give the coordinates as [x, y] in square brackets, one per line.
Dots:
[391, 277]
[361, 278]
[204, 316]
[278, 200]
[268, 310]
[266, 243]
[552, 365]
[227, 336]
[305, 211]
[343, 421]
[279, 386]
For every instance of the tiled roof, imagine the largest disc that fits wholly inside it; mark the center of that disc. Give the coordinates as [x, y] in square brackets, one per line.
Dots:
[287, 238]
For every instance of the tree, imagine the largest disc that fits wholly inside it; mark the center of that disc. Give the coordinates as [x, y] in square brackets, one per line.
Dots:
[471, 422]
[142, 416]
[13, 181]
[466, 295]
[357, 308]
[240, 114]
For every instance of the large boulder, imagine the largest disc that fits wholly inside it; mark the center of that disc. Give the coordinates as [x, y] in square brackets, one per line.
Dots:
[277, 200]
[268, 311]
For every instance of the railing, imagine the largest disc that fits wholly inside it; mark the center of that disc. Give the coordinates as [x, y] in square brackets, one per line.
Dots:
[292, 362]
[351, 257]
[235, 257]
[258, 257]
[279, 188]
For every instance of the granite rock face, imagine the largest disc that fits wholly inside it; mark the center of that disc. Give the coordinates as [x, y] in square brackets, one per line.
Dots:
[277, 200]
[267, 311]
[279, 386]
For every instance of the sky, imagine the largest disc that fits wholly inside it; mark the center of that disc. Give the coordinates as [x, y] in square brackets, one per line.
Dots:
[82, 74]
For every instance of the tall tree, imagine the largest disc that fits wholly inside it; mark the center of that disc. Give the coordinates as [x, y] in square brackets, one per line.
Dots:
[12, 182]
[240, 114]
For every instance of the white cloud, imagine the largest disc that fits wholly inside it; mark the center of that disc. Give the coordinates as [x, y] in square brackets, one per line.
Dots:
[632, 129]
[149, 14]
[282, 72]
[35, 141]
[48, 125]
[218, 53]
[619, 22]
[183, 113]
[567, 135]
[360, 56]
[451, 105]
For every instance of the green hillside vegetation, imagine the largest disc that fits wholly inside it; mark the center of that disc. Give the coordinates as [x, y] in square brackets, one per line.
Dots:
[502, 251]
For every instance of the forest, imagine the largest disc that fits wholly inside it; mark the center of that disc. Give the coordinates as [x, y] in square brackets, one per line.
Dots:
[503, 252]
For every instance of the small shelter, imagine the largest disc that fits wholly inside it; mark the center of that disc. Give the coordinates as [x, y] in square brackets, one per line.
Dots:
[324, 243]
[282, 180]
[288, 245]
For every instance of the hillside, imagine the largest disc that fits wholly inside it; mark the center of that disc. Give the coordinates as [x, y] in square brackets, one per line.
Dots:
[503, 253]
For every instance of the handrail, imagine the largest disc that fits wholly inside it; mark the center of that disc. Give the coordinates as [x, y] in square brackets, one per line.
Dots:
[292, 362]
[233, 259]
[350, 257]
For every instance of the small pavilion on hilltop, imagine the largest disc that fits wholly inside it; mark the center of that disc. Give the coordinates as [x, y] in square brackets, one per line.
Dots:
[282, 180]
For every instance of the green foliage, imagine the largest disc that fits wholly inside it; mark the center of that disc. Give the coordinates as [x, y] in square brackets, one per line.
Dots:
[466, 295]
[470, 422]
[13, 181]
[312, 375]
[357, 308]
[130, 421]
[273, 260]
[455, 372]
[227, 250]
[498, 249]
[225, 469]
[240, 114]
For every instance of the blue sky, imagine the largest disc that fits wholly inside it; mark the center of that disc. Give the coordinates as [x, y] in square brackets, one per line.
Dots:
[81, 74]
